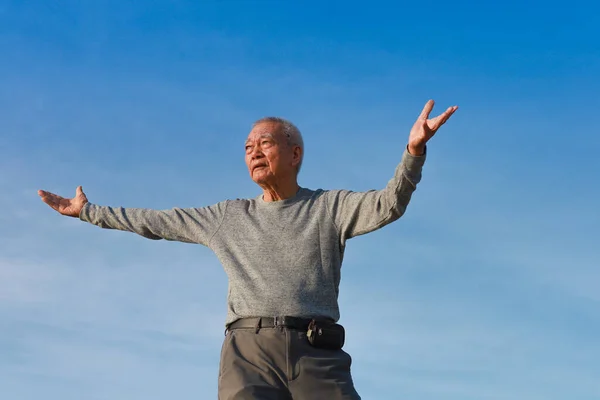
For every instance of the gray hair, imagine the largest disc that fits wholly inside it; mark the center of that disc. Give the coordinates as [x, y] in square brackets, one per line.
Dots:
[291, 132]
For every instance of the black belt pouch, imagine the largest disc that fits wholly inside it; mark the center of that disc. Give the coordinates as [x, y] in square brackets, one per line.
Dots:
[326, 335]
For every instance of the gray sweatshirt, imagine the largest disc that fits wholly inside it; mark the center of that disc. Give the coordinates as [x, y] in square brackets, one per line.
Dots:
[282, 257]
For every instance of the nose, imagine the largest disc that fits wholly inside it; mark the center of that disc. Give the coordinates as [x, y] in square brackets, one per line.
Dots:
[256, 153]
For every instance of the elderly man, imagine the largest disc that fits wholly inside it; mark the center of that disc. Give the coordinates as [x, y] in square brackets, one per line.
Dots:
[282, 252]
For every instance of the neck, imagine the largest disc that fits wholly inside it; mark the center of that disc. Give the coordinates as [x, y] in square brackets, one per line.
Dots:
[280, 191]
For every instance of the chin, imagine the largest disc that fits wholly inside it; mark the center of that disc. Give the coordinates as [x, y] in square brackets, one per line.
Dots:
[257, 179]
[261, 179]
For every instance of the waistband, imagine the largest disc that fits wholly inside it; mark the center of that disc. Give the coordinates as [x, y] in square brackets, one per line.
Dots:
[273, 322]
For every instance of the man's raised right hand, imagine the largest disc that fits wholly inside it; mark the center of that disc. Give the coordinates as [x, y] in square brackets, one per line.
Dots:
[69, 207]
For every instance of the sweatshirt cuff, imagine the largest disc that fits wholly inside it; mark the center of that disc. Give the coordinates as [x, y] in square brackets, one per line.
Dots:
[84, 214]
[412, 162]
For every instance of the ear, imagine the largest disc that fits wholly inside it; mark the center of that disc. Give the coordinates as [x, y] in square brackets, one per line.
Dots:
[297, 156]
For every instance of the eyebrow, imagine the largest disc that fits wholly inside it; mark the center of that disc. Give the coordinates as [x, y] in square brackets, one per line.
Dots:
[263, 136]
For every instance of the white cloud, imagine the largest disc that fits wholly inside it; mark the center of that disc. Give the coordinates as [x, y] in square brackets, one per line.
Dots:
[477, 259]
[22, 283]
[416, 342]
[132, 330]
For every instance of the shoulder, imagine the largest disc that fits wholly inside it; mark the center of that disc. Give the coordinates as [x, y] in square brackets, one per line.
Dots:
[326, 195]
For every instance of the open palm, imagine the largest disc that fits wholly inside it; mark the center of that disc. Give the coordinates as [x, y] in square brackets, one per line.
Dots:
[425, 127]
[70, 207]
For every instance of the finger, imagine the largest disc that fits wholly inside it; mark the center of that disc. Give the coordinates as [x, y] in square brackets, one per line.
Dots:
[44, 195]
[441, 119]
[448, 113]
[427, 109]
[451, 110]
[79, 191]
[51, 199]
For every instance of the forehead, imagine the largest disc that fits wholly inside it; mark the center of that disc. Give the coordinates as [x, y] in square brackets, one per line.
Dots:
[270, 129]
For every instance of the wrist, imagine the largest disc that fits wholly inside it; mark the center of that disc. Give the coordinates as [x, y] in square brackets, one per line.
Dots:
[416, 150]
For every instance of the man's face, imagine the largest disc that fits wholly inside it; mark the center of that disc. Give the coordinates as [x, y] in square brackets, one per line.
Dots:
[269, 156]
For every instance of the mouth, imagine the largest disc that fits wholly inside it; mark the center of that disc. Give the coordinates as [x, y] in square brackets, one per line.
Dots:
[256, 167]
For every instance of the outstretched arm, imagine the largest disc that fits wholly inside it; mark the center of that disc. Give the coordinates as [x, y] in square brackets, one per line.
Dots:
[357, 213]
[190, 225]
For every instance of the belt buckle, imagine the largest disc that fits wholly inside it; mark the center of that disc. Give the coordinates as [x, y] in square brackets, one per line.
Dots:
[281, 321]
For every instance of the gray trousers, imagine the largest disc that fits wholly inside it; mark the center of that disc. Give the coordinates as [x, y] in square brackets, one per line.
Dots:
[280, 364]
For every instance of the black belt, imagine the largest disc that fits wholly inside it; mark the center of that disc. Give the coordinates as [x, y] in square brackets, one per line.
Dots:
[271, 322]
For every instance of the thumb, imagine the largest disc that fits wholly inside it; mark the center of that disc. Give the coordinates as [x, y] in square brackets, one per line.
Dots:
[427, 110]
[79, 194]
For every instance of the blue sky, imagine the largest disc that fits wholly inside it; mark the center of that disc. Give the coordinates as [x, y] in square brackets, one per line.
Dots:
[486, 289]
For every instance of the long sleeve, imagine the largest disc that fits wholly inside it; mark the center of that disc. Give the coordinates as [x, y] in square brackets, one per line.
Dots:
[189, 225]
[357, 213]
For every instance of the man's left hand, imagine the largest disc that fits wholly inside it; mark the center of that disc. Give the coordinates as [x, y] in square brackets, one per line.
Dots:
[424, 128]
